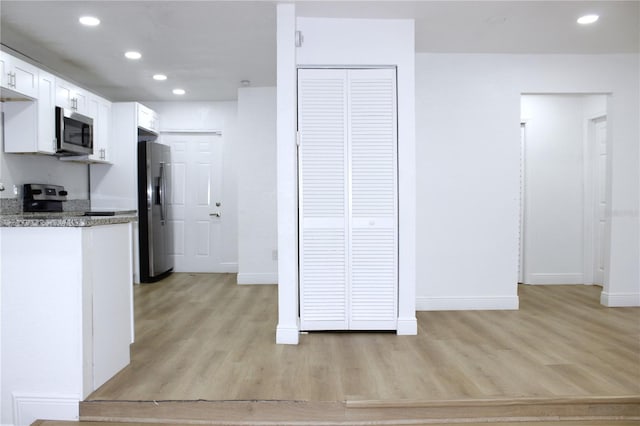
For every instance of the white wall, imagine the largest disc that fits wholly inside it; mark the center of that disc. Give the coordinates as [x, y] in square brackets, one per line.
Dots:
[257, 220]
[345, 42]
[18, 169]
[554, 188]
[468, 132]
[211, 116]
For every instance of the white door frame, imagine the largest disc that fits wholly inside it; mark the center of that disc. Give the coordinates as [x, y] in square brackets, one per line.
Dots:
[590, 208]
[521, 257]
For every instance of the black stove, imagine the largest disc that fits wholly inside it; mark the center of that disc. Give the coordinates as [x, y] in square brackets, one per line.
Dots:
[39, 197]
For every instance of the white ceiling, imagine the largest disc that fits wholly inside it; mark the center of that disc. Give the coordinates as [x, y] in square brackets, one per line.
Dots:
[208, 47]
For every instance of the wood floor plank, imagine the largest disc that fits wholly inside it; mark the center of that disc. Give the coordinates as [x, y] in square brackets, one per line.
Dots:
[201, 336]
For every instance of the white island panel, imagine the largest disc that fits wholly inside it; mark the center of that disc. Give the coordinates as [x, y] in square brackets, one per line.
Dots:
[66, 303]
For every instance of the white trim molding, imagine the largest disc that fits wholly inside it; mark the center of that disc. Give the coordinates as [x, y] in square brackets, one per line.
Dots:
[619, 300]
[407, 326]
[207, 131]
[467, 303]
[555, 279]
[28, 408]
[258, 278]
[229, 267]
[288, 335]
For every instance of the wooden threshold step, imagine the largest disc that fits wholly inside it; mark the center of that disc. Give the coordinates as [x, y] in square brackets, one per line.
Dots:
[353, 412]
[540, 423]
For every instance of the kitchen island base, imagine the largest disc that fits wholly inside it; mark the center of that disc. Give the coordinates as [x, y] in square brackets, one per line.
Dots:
[66, 299]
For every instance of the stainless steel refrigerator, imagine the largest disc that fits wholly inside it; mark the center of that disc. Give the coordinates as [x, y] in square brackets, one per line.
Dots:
[154, 192]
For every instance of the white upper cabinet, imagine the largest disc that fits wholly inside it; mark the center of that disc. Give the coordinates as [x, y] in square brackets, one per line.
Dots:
[100, 110]
[30, 126]
[29, 122]
[18, 76]
[148, 119]
[72, 97]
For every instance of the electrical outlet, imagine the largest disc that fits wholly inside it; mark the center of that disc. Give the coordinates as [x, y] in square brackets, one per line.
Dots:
[274, 255]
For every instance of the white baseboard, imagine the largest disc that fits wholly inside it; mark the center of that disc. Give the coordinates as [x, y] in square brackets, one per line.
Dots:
[28, 408]
[619, 300]
[257, 278]
[287, 335]
[222, 268]
[407, 326]
[229, 267]
[555, 279]
[497, 303]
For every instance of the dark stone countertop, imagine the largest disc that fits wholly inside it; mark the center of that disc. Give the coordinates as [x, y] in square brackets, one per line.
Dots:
[64, 219]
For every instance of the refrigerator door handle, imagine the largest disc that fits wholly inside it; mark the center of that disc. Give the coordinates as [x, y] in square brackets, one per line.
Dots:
[161, 192]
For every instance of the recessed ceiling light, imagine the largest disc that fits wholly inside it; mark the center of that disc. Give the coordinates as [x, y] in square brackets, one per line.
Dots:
[587, 19]
[132, 55]
[90, 21]
[179, 91]
[159, 77]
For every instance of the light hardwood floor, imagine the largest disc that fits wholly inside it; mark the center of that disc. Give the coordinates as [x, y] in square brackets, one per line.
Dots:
[201, 336]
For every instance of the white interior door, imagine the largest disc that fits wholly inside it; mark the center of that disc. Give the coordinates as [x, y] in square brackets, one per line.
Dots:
[600, 163]
[196, 204]
[323, 198]
[373, 196]
[348, 199]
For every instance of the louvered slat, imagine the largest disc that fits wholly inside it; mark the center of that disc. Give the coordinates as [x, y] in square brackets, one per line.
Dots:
[322, 178]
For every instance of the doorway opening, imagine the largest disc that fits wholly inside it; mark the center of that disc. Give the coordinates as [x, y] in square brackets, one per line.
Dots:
[564, 189]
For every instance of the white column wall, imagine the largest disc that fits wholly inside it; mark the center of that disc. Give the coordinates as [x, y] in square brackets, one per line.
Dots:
[257, 216]
[287, 204]
[468, 132]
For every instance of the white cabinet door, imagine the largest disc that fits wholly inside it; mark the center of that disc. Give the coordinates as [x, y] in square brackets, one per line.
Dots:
[100, 110]
[148, 119]
[30, 126]
[18, 76]
[71, 97]
[64, 93]
[111, 276]
[348, 199]
[46, 113]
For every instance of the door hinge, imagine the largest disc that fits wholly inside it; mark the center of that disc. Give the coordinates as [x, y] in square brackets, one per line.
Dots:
[299, 38]
[298, 139]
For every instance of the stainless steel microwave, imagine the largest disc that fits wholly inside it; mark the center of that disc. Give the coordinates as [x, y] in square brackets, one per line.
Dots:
[74, 133]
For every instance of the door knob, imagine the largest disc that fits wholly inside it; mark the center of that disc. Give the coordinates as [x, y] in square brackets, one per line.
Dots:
[215, 214]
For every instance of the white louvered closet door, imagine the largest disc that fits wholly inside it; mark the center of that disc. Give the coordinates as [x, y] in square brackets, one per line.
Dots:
[348, 199]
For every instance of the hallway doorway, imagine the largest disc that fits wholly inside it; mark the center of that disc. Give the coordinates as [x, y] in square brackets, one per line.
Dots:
[564, 236]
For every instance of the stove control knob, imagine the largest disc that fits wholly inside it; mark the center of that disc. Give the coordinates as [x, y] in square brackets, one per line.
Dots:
[63, 193]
